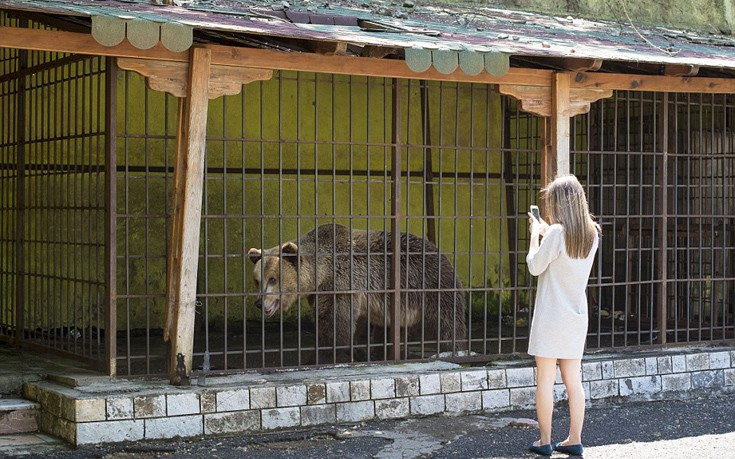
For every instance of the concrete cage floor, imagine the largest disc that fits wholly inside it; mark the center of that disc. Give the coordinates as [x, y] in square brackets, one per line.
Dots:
[21, 366]
[18, 367]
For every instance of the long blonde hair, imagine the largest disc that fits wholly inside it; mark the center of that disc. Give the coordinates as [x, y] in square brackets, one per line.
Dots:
[566, 204]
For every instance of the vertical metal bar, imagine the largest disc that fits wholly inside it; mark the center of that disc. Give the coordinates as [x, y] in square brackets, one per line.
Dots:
[299, 285]
[395, 218]
[663, 264]
[485, 189]
[333, 204]
[243, 227]
[225, 257]
[428, 162]
[714, 150]
[317, 311]
[700, 218]
[20, 197]
[351, 225]
[147, 221]
[455, 204]
[676, 211]
[126, 206]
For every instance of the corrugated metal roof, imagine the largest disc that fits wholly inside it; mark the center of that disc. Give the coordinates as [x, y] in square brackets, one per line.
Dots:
[419, 25]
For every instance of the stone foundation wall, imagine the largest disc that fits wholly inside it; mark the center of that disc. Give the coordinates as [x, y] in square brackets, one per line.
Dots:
[128, 411]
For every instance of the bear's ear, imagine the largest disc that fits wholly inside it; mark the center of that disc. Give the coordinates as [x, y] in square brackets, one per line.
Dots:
[290, 248]
[254, 254]
[290, 253]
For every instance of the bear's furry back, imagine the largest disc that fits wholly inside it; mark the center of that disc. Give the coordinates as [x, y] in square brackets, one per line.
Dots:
[359, 261]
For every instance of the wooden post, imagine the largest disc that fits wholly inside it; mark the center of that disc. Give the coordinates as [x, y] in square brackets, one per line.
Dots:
[172, 275]
[548, 156]
[186, 220]
[560, 86]
[111, 216]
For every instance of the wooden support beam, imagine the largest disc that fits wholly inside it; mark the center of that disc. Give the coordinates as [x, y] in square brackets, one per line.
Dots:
[654, 83]
[548, 156]
[187, 218]
[560, 121]
[173, 77]
[174, 249]
[84, 43]
[111, 216]
[537, 99]
[79, 43]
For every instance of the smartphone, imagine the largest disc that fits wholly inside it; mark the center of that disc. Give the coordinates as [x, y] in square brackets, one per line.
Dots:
[536, 214]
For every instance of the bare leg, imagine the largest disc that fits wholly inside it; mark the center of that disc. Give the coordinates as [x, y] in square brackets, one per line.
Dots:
[572, 376]
[545, 377]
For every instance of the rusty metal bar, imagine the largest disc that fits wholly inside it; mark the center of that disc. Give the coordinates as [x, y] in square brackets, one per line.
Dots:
[664, 234]
[428, 162]
[20, 303]
[396, 215]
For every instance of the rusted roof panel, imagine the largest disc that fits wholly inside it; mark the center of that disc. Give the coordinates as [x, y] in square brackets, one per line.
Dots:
[421, 25]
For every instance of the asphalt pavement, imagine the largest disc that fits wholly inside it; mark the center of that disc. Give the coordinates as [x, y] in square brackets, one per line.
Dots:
[698, 428]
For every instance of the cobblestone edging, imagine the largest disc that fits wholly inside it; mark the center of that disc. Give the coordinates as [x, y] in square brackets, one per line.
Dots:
[136, 411]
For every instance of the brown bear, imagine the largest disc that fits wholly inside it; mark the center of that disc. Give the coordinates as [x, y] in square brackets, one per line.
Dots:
[345, 276]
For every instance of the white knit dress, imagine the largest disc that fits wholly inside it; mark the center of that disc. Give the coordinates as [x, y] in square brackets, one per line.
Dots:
[559, 324]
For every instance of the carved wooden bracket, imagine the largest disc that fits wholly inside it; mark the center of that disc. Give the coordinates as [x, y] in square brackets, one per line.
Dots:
[173, 77]
[537, 99]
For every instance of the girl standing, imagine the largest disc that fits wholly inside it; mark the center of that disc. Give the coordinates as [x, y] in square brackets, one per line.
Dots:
[562, 260]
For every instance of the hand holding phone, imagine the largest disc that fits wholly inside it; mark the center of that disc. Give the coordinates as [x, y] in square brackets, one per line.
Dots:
[536, 214]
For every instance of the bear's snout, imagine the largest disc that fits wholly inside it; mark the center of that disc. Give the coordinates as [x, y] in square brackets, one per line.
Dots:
[259, 303]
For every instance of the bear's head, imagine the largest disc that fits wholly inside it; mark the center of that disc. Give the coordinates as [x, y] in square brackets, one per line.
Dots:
[276, 276]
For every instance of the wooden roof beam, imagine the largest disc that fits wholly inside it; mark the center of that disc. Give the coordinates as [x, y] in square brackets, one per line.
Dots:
[83, 43]
[79, 43]
[655, 83]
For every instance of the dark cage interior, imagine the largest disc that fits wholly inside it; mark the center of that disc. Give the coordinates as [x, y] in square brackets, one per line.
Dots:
[439, 174]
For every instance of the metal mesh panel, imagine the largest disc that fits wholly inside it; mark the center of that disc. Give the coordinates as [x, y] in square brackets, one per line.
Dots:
[303, 150]
[53, 202]
[314, 150]
[146, 133]
[629, 149]
[9, 63]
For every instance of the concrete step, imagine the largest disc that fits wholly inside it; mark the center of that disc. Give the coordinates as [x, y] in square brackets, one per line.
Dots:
[18, 416]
